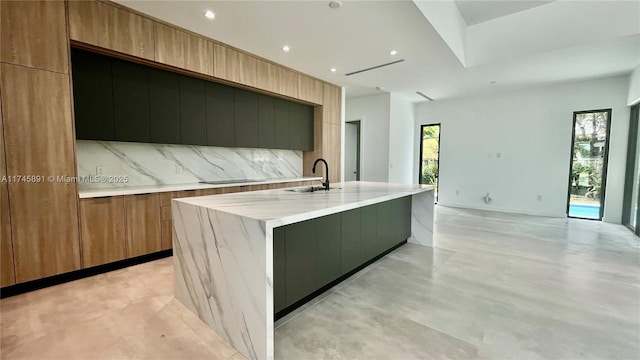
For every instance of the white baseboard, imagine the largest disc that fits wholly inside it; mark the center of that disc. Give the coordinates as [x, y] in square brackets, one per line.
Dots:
[502, 210]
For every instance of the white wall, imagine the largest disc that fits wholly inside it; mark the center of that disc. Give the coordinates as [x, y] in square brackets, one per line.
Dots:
[634, 87]
[401, 144]
[373, 112]
[531, 130]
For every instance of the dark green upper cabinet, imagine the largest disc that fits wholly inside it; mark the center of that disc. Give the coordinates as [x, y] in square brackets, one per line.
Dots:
[282, 109]
[246, 118]
[118, 100]
[93, 96]
[266, 121]
[164, 106]
[220, 115]
[193, 120]
[301, 127]
[130, 101]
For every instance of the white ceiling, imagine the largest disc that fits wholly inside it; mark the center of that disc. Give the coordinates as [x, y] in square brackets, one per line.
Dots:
[528, 47]
[477, 11]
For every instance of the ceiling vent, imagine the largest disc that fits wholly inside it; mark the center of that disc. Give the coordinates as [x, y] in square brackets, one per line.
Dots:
[424, 96]
[374, 67]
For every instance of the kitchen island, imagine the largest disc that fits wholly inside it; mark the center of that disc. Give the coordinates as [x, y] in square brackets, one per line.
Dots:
[229, 249]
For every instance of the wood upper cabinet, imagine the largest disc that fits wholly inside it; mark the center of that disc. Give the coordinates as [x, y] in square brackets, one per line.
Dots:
[310, 89]
[183, 50]
[289, 83]
[268, 76]
[142, 219]
[331, 151]
[102, 230]
[104, 25]
[236, 66]
[34, 34]
[7, 265]
[332, 101]
[39, 140]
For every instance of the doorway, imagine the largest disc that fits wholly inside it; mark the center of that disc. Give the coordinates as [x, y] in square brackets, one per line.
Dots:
[430, 156]
[352, 151]
[588, 168]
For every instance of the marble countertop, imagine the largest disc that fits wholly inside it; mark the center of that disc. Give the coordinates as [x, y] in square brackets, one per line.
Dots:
[132, 190]
[282, 207]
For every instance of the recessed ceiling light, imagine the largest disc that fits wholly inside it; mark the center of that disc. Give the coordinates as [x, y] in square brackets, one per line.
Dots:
[393, 52]
[285, 48]
[333, 69]
[209, 14]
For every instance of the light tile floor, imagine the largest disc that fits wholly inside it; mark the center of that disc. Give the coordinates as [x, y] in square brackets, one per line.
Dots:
[495, 286]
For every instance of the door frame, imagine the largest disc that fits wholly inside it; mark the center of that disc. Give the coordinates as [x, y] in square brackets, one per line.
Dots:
[421, 156]
[357, 122]
[605, 163]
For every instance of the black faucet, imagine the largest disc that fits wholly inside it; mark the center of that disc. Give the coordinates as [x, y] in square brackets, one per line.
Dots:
[326, 168]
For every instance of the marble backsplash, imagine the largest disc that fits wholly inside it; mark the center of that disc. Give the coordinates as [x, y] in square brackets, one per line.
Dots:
[160, 164]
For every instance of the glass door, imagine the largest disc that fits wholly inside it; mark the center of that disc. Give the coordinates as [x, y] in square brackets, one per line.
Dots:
[588, 171]
[430, 156]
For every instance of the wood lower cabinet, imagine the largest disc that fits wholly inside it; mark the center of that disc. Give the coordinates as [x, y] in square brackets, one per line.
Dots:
[142, 220]
[102, 230]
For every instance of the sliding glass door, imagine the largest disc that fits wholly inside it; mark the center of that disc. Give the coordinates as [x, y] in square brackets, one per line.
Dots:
[588, 171]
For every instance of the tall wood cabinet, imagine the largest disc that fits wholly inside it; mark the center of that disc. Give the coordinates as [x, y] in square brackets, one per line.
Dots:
[39, 138]
[36, 106]
[7, 266]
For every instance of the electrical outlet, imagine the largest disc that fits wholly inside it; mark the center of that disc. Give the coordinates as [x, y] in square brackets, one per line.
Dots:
[457, 192]
[99, 171]
[498, 155]
[179, 169]
[539, 197]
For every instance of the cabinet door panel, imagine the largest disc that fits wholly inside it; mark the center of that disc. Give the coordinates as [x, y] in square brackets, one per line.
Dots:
[102, 24]
[193, 121]
[102, 230]
[246, 118]
[142, 220]
[295, 125]
[164, 106]
[369, 231]
[93, 96]
[167, 235]
[306, 128]
[220, 115]
[328, 249]
[385, 223]
[266, 119]
[281, 123]
[300, 250]
[38, 134]
[34, 34]
[131, 101]
[279, 272]
[351, 245]
[7, 265]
